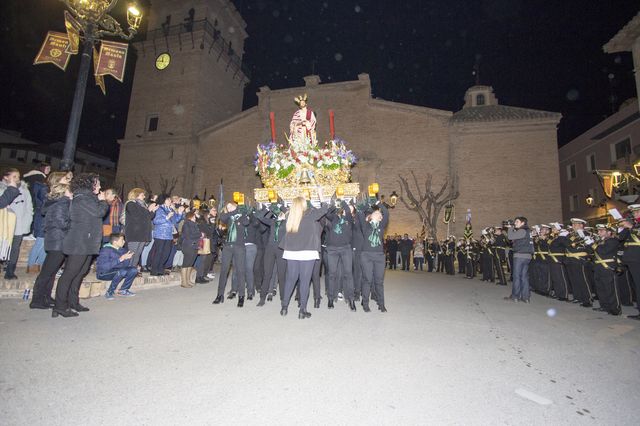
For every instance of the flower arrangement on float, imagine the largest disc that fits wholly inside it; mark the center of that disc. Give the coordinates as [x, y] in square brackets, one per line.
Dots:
[280, 161]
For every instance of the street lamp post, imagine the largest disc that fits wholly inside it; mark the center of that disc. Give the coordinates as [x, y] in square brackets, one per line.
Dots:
[95, 22]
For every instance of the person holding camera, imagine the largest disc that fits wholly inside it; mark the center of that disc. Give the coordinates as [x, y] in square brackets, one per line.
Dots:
[165, 222]
[520, 236]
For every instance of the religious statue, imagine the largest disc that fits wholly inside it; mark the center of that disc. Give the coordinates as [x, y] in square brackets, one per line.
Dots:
[302, 129]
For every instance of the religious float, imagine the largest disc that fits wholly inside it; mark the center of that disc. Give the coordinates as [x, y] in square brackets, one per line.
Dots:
[303, 167]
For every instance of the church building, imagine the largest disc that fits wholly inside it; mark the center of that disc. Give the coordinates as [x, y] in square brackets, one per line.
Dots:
[186, 125]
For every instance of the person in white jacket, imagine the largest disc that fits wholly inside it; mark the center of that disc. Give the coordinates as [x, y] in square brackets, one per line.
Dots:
[22, 207]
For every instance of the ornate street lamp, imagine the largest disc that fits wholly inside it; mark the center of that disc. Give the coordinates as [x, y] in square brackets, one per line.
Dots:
[94, 23]
[589, 200]
[393, 199]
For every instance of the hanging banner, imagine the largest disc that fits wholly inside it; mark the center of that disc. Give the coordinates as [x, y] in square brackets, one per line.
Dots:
[73, 32]
[112, 59]
[99, 78]
[53, 50]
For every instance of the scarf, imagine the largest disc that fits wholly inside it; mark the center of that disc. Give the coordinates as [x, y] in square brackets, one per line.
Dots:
[338, 228]
[233, 229]
[374, 237]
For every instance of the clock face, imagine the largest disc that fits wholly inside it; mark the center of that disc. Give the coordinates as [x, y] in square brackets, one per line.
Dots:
[163, 60]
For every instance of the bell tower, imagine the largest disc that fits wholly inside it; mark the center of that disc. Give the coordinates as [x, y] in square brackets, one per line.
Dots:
[188, 76]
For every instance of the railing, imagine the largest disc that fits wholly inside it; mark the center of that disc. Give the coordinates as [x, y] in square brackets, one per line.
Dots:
[212, 40]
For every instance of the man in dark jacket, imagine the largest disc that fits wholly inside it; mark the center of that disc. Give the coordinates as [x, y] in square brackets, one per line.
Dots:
[392, 250]
[405, 246]
[114, 264]
[522, 250]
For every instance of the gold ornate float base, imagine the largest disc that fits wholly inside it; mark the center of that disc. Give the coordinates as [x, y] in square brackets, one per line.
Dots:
[288, 193]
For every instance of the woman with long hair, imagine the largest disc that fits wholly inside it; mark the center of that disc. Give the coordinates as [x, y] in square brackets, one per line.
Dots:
[55, 226]
[301, 246]
[81, 242]
[136, 218]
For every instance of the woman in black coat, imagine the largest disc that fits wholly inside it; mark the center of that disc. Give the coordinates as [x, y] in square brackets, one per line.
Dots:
[56, 225]
[137, 222]
[190, 237]
[81, 242]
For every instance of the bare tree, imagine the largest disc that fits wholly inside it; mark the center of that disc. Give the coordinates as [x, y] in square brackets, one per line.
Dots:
[167, 187]
[145, 184]
[428, 203]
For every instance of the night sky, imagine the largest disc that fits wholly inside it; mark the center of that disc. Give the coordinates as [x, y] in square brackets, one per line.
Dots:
[536, 54]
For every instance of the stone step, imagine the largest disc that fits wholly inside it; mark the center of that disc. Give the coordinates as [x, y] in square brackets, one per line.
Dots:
[90, 287]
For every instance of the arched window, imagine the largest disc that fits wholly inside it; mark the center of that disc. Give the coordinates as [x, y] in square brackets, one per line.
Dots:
[480, 100]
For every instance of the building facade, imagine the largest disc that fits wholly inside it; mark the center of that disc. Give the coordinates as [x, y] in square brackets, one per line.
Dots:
[504, 159]
[24, 155]
[613, 144]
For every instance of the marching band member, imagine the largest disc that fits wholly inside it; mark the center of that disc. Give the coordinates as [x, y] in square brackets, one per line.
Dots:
[577, 255]
[605, 270]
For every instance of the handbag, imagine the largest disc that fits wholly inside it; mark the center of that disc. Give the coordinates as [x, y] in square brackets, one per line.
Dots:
[204, 246]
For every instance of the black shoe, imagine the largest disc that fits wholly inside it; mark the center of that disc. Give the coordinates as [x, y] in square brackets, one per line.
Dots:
[231, 295]
[635, 317]
[352, 305]
[219, 299]
[365, 307]
[10, 277]
[563, 299]
[260, 302]
[284, 312]
[330, 304]
[615, 313]
[66, 313]
[250, 296]
[80, 308]
[270, 297]
[240, 301]
[36, 305]
[586, 304]
[316, 303]
[382, 308]
[303, 315]
[202, 280]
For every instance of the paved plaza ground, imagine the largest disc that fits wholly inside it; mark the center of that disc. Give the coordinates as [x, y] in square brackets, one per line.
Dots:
[449, 351]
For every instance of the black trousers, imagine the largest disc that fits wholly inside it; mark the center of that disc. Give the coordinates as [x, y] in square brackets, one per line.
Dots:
[44, 283]
[634, 270]
[373, 275]
[315, 280]
[68, 288]
[470, 268]
[497, 264]
[298, 271]
[393, 256]
[357, 272]
[204, 266]
[607, 290]
[624, 283]
[578, 280]
[14, 253]
[232, 253]
[162, 251]
[429, 263]
[487, 267]
[449, 265]
[340, 260]
[559, 280]
[461, 262]
[273, 256]
[258, 266]
[405, 261]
